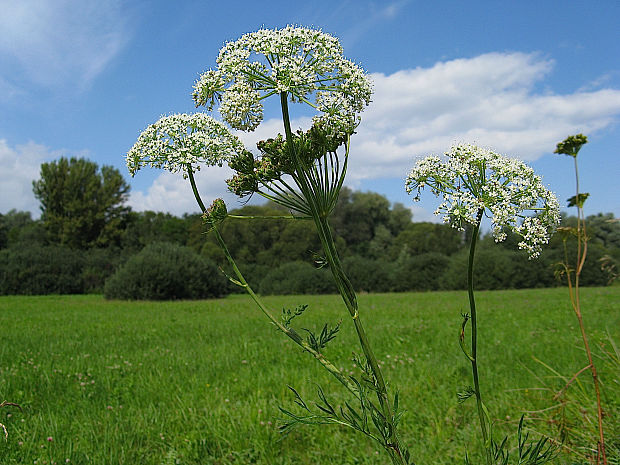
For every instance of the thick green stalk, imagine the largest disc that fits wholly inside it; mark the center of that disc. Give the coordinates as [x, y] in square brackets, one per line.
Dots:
[474, 338]
[343, 284]
[243, 283]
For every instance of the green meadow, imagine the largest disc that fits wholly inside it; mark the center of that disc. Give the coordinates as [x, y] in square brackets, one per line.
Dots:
[200, 382]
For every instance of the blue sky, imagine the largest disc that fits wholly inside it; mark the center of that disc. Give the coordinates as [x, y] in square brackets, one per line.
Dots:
[83, 78]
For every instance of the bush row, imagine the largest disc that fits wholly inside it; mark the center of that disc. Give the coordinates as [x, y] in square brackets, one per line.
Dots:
[169, 271]
[160, 271]
[496, 268]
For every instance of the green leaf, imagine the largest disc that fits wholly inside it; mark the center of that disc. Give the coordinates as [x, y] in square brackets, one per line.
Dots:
[298, 400]
[578, 200]
[465, 394]
[288, 315]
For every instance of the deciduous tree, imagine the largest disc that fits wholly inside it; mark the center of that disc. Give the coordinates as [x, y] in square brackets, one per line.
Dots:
[82, 205]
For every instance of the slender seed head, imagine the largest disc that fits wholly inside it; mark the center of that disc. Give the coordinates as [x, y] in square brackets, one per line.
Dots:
[571, 145]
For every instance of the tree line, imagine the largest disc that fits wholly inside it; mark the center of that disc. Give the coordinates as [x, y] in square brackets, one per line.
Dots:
[87, 236]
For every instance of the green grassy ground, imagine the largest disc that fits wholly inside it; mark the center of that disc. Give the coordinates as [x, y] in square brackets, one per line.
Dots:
[199, 382]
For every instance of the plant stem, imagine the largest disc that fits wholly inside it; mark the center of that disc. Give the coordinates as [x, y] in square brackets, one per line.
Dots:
[344, 286]
[243, 283]
[582, 249]
[474, 339]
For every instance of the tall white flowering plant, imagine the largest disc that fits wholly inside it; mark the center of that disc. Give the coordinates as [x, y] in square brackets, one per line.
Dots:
[183, 143]
[302, 170]
[474, 182]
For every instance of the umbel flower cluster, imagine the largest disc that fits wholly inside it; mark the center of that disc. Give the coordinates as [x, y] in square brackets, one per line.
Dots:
[180, 142]
[307, 65]
[473, 181]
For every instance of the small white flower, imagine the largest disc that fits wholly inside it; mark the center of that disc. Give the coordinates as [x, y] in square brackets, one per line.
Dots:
[307, 64]
[181, 141]
[472, 179]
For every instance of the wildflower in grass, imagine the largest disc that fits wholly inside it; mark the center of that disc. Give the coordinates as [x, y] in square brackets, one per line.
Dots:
[300, 171]
[303, 171]
[475, 181]
[181, 142]
[306, 65]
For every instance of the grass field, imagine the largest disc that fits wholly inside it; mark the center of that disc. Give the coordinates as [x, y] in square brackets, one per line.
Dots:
[199, 382]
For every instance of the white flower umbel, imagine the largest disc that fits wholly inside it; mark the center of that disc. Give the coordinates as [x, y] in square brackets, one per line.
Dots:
[180, 142]
[306, 64]
[472, 179]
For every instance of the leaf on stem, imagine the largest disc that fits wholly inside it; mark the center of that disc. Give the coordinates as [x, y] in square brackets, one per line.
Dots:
[326, 335]
[465, 394]
[578, 200]
[462, 336]
[288, 315]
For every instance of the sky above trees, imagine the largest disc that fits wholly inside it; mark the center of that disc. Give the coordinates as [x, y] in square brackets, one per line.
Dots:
[85, 78]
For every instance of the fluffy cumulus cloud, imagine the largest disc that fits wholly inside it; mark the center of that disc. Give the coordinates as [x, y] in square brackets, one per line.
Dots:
[491, 100]
[171, 193]
[59, 42]
[20, 166]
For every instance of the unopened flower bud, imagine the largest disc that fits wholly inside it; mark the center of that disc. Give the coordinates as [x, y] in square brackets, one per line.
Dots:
[216, 213]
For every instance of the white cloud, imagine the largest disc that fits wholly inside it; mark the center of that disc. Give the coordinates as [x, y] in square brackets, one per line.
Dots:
[489, 100]
[60, 42]
[20, 166]
[171, 193]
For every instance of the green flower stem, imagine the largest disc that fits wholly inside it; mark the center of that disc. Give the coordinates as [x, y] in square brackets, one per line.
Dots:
[582, 250]
[243, 283]
[482, 413]
[344, 286]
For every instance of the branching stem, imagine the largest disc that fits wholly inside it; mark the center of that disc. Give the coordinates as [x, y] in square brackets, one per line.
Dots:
[329, 366]
[343, 284]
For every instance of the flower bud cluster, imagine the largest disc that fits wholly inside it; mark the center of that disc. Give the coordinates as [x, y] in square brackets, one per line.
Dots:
[571, 145]
[472, 179]
[216, 213]
[277, 158]
[179, 142]
[304, 63]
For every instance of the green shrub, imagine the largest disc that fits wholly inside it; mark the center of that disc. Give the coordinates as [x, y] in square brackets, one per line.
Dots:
[99, 265]
[164, 271]
[37, 270]
[496, 267]
[368, 275]
[297, 278]
[593, 272]
[420, 272]
[253, 273]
